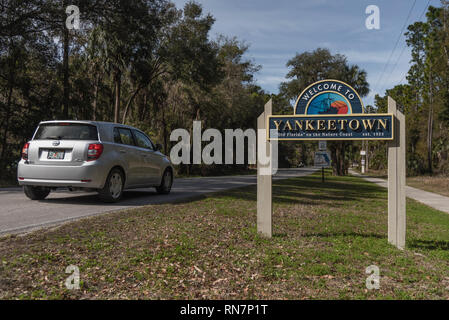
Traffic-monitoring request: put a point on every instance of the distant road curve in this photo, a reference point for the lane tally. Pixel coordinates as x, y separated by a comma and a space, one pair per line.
19, 214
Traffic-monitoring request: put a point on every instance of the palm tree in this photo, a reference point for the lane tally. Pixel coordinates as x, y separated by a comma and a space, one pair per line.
112, 55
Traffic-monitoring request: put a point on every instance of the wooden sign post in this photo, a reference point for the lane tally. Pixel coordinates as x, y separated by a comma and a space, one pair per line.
325, 123
396, 179
264, 181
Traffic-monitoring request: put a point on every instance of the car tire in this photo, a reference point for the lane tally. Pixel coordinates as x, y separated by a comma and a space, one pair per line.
35, 192
113, 187
166, 182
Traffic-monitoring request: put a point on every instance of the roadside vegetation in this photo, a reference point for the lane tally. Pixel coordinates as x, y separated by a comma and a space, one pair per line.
8, 183
146, 63
437, 183
151, 64
325, 236
424, 99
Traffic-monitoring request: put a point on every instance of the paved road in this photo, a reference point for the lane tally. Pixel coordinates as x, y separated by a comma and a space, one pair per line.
431, 199
19, 214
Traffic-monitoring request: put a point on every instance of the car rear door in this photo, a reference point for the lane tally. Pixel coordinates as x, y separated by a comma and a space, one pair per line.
151, 168
127, 148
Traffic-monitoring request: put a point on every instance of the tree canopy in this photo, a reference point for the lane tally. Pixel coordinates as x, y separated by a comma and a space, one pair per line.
309, 67
140, 62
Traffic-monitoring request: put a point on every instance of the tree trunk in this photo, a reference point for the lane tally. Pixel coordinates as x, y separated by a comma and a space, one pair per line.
342, 160
338, 159
128, 104
144, 106
117, 80
429, 139
65, 66
164, 130
94, 106
367, 156
430, 128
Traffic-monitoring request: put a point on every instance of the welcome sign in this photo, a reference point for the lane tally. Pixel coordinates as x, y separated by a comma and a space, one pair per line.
330, 110
329, 97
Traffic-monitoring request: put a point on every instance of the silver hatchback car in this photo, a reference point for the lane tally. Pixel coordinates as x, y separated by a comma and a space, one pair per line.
91, 155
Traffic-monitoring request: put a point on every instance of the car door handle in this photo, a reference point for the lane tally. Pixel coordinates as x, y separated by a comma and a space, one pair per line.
122, 151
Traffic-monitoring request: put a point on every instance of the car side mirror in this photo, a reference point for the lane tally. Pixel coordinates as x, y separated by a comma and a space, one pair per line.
158, 147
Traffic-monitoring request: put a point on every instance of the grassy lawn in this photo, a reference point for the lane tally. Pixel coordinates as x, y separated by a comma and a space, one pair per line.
383, 174
325, 236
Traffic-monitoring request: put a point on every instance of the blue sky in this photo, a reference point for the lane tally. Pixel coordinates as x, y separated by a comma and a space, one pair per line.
278, 29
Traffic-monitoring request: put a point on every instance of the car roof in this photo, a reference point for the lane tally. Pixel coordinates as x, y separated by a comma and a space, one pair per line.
98, 123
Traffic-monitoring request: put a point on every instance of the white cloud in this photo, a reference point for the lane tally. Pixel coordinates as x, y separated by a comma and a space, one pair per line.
367, 56
270, 80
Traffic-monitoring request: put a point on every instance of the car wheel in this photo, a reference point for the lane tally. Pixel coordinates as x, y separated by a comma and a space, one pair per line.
36, 193
166, 183
113, 187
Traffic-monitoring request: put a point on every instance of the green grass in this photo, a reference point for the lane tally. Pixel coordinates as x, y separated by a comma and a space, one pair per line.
325, 235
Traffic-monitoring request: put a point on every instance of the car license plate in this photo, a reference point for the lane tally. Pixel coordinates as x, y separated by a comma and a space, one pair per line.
55, 154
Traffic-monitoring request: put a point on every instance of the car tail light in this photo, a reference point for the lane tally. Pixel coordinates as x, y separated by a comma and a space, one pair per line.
94, 151
25, 151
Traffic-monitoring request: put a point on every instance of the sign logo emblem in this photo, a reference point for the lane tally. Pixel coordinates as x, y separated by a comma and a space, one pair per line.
56, 143
329, 97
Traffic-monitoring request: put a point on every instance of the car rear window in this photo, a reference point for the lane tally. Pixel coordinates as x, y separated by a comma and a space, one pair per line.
66, 131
